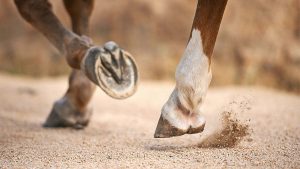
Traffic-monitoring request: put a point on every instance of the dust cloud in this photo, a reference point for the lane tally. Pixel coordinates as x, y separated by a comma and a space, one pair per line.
230, 130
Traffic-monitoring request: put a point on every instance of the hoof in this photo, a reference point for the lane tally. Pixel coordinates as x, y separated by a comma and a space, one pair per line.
63, 114
165, 129
111, 68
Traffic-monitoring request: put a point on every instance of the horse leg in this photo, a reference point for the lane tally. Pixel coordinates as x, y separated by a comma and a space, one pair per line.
109, 67
73, 108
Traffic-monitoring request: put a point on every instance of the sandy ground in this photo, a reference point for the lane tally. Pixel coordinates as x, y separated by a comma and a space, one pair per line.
120, 134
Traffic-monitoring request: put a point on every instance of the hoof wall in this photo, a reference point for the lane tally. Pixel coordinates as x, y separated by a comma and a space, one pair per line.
64, 115
165, 130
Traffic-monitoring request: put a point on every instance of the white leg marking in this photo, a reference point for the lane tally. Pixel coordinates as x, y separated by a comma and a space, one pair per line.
193, 76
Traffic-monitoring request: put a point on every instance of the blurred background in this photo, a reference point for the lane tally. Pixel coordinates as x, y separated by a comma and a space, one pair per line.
258, 42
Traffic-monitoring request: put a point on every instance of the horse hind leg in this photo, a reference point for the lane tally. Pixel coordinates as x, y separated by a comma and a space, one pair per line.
73, 108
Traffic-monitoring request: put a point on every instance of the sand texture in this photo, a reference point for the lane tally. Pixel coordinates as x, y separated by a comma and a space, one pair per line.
247, 127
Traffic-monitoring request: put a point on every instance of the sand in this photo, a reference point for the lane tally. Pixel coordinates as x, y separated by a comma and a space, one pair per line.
247, 127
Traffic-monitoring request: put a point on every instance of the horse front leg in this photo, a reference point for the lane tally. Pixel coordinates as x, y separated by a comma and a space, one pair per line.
181, 114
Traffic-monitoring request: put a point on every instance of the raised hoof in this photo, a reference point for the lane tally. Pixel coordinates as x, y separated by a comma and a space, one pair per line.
164, 129
65, 115
111, 68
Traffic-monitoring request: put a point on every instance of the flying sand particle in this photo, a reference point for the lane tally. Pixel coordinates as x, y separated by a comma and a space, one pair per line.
231, 131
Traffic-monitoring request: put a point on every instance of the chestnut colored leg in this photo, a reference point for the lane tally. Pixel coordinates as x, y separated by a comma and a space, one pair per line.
72, 110
39, 14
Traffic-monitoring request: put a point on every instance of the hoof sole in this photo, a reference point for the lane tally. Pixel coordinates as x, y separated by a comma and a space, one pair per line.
112, 69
